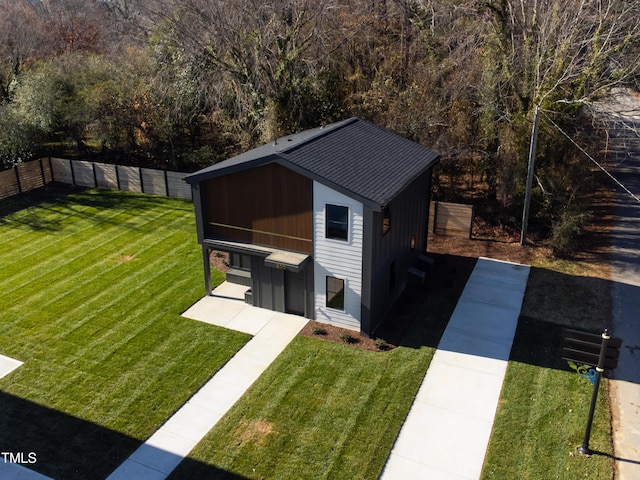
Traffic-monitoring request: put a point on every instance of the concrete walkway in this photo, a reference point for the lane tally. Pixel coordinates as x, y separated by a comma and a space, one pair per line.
8, 365
12, 471
446, 433
165, 449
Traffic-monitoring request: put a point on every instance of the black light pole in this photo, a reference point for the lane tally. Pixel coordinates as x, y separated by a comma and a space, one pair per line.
584, 448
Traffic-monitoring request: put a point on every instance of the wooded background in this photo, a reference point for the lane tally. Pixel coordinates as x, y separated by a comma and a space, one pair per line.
182, 84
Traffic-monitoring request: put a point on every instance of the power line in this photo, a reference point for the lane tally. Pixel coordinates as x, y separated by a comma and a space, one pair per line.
591, 158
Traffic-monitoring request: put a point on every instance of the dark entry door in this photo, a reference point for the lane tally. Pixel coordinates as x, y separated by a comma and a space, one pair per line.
294, 286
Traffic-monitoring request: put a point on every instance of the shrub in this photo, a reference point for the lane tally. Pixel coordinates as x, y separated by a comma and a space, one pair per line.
319, 331
348, 338
565, 233
381, 344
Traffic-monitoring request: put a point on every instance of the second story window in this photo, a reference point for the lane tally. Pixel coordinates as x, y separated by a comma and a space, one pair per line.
337, 222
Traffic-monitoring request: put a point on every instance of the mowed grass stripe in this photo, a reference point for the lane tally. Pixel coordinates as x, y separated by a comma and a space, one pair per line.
96, 219
321, 410
47, 291
63, 317
70, 227
140, 311
23, 225
106, 345
53, 260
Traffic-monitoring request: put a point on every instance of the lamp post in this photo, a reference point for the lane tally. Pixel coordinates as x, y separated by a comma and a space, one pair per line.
584, 448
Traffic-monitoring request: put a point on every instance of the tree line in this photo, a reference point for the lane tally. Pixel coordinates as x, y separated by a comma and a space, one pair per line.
184, 83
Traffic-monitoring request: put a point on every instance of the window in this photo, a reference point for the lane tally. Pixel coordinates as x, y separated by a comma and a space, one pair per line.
337, 222
335, 293
386, 220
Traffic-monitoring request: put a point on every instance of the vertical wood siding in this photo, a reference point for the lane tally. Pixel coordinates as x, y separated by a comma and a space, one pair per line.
268, 205
338, 259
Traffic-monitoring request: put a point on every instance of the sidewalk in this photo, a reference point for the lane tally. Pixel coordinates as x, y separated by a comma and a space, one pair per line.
623, 113
165, 449
446, 433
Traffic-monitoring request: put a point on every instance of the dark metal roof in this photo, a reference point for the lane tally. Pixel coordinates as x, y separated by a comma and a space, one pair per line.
354, 157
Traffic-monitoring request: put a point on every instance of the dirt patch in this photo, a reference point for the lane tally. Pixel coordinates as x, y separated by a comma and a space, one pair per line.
253, 431
219, 260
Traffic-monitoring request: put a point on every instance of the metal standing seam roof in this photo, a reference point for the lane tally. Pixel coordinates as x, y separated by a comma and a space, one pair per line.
353, 156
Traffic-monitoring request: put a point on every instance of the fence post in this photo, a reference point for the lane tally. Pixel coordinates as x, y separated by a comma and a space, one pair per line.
15, 169
73, 175
95, 177
141, 182
44, 180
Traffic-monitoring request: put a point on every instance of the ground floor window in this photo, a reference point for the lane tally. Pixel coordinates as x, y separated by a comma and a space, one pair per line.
335, 293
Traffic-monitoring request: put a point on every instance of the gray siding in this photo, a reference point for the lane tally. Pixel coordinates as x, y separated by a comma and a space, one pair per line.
267, 286
409, 214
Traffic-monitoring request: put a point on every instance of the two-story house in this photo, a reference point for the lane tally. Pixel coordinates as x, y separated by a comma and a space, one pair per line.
324, 223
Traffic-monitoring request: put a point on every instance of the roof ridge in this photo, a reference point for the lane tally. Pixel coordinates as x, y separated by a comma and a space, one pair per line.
321, 132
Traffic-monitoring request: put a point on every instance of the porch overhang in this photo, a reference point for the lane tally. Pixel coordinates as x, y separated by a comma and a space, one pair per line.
284, 260
273, 258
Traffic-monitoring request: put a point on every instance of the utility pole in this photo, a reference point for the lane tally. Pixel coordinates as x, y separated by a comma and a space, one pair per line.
532, 160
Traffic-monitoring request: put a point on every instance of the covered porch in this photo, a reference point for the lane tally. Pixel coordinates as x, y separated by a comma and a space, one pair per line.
274, 279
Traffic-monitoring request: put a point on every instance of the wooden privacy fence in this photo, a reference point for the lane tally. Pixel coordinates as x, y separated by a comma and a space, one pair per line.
453, 219
82, 173
25, 177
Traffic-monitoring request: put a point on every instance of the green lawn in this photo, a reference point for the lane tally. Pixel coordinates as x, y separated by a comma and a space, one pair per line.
326, 410
543, 412
93, 285
544, 404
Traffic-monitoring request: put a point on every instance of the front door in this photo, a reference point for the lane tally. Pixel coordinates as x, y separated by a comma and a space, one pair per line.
294, 288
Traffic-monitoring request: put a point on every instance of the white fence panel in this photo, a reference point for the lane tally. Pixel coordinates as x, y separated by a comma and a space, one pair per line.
83, 173
153, 182
177, 187
129, 178
106, 176
61, 169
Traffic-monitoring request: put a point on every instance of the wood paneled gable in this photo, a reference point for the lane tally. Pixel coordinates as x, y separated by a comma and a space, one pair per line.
269, 205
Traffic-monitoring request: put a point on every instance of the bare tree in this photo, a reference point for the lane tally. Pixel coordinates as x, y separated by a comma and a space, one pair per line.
558, 55
260, 57
19, 40
74, 25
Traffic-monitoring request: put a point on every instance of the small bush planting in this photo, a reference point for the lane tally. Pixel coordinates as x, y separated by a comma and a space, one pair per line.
348, 338
381, 344
318, 331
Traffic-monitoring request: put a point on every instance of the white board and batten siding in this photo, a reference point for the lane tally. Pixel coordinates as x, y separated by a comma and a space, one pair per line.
337, 258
